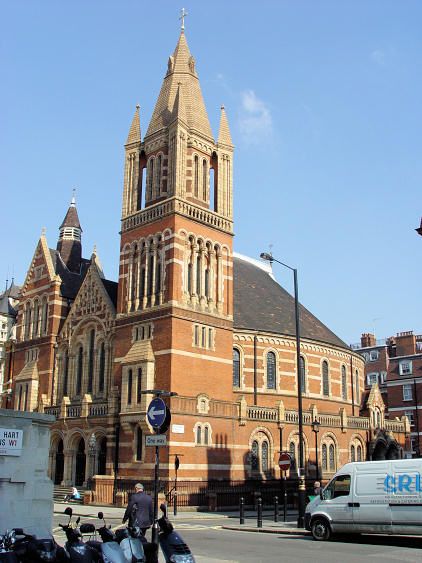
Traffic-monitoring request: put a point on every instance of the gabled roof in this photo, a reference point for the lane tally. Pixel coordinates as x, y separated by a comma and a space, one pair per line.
181, 69
71, 281
261, 304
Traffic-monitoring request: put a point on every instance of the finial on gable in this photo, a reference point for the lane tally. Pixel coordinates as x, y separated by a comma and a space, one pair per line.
73, 200
183, 14
43, 232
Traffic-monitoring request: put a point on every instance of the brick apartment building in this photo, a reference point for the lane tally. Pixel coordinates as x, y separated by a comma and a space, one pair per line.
395, 365
187, 315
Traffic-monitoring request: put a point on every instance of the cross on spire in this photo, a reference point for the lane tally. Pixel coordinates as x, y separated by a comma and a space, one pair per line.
183, 14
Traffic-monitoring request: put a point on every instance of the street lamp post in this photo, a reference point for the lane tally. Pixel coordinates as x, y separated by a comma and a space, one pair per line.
301, 469
315, 429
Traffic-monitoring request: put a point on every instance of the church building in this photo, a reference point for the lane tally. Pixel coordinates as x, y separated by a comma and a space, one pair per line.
188, 316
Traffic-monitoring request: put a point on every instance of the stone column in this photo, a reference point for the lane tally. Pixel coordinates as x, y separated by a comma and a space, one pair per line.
68, 470
219, 281
153, 262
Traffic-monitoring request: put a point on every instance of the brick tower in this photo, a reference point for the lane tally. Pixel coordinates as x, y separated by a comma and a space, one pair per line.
175, 296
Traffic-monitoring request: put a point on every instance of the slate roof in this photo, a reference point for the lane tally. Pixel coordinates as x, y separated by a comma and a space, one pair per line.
111, 288
71, 218
71, 281
261, 304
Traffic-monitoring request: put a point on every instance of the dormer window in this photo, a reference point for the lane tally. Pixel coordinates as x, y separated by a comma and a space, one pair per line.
405, 367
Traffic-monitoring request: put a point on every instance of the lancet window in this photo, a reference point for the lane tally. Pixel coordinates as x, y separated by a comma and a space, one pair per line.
204, 273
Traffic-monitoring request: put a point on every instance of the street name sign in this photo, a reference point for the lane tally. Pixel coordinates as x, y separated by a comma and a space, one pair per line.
284, 461
11, 441
156, 413
156, 440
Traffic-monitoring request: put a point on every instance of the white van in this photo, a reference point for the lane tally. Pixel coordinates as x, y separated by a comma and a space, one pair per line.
369, 497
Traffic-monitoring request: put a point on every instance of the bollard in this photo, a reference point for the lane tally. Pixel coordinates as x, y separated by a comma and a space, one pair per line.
275, 509
175, 503
242, 510
259, 520
284, 500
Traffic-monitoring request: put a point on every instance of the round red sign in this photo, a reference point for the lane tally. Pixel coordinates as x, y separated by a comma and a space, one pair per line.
284, 461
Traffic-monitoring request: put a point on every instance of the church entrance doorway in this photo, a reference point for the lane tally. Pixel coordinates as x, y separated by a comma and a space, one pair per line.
80, 464
59, 469
102, 455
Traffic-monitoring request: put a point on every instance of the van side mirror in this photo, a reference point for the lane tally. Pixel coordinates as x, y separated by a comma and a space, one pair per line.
100, 515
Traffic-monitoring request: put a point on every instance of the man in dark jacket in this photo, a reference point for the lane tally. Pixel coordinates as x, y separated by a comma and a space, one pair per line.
140, 506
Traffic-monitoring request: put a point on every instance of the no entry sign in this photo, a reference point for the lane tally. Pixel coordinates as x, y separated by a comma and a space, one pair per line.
284, 461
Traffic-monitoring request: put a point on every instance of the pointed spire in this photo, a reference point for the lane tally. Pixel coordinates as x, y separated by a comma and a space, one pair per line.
71, 218
179, 108
69, 243
135, 129
181, 68
224, 137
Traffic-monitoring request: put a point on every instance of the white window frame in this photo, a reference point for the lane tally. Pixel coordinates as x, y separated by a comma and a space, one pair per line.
411, 416
372, 376
407, 392
405, 367
374, 355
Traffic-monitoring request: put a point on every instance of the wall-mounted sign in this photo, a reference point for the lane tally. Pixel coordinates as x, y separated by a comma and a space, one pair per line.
178, 428
11, 441
156, 440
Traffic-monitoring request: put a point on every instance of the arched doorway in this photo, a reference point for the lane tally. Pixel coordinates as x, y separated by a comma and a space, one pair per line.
379, 451
102, 454
80, 464
59, 468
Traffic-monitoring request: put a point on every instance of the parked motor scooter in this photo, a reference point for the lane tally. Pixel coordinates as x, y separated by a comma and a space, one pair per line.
174, 549
75, 550
7, 542
108, 549
35, 547
131, 541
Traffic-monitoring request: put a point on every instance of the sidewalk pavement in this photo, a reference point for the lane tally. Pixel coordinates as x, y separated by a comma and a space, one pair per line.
229, 519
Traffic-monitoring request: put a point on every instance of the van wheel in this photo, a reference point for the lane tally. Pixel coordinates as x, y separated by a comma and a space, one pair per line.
320, 529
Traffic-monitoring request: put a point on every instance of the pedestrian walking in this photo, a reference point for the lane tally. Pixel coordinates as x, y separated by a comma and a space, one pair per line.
139, 509
317, 488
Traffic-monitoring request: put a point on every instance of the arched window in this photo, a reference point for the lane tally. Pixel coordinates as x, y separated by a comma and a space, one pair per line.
101, 372
199, 435
36, 319
271, 371
79, 371
159, 166
359, 453
150, 276
332, 458
343, 383
204, 180
129, 387
20, 398
357, 387
190, 278
324, 457
352, 453
196, 175
27, 330
206, 435
150, 177
91, 360
139, 386
65, 372
325, 379
255, 456
44, 327
25, 408
302, 374
198, 275
264, 455
139, 444
292, 452
236, 367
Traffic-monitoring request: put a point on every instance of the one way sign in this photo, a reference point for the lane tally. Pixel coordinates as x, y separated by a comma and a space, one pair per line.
157, 411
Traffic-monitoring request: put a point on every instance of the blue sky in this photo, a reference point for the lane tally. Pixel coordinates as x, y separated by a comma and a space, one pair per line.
324, 104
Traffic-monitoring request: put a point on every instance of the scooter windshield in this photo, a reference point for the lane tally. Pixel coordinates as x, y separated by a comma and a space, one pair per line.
112, 553
132, 548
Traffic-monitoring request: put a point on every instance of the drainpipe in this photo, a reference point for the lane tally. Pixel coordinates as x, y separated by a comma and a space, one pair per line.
255, 369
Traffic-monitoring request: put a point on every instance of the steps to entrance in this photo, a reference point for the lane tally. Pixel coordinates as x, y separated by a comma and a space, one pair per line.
60, 492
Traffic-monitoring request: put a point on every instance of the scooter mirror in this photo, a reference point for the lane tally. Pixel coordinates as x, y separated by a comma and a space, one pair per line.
19, 532
163, 508
78, 520
100, 515
68, 511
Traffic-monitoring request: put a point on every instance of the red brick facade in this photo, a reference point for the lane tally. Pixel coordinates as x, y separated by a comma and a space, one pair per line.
170, 324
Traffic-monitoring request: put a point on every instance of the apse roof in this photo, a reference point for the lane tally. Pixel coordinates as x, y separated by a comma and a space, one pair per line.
261, 304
